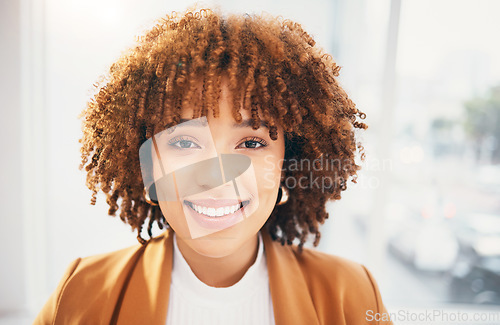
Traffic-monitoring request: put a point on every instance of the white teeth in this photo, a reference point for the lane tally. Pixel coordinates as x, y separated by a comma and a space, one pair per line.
212, 212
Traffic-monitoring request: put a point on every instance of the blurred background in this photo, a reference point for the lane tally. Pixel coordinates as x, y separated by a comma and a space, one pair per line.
424, 215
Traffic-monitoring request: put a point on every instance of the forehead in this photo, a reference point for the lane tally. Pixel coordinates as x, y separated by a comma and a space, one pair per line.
227, 118
225, 106
203, 123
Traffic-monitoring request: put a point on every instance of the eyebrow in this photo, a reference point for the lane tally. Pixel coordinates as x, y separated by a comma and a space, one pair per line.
243, 124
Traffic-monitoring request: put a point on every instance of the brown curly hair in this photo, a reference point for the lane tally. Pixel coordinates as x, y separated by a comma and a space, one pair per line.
272, 65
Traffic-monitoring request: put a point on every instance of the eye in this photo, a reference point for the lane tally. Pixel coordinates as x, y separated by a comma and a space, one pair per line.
182, 142
252, 143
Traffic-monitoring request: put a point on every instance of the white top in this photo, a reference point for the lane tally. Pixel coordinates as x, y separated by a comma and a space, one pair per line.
246, 302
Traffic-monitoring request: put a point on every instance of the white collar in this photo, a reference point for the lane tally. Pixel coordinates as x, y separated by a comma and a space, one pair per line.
184, 279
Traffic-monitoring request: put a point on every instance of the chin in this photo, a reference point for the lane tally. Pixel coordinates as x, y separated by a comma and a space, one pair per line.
215, 247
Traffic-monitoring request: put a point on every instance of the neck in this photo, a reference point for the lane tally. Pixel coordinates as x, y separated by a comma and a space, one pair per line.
221, 271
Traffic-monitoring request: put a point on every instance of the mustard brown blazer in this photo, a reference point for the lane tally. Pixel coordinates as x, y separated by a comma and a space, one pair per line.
131, 286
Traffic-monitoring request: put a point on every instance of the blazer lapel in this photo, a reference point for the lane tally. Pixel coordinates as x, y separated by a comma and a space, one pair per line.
146, 298
292, 303
147, 294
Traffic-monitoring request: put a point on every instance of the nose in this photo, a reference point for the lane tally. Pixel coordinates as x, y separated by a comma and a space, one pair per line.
208, 174
198, 177
219, 170
190, 180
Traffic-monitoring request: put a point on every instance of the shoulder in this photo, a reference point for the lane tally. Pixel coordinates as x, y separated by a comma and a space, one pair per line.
106, 263
327, 268
337, 281
100, 269
94, 282
114, 263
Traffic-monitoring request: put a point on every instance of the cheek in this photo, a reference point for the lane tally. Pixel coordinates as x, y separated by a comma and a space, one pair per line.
173, 212
268, 175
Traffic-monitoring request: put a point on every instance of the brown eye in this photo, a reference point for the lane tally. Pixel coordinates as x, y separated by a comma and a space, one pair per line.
253, 143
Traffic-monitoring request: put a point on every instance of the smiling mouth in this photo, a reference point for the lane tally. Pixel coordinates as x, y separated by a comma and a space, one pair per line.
215, 212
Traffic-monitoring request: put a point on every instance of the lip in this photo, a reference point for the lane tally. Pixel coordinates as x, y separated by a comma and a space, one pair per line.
217, 223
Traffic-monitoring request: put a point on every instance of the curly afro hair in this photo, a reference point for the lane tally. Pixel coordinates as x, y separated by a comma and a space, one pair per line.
273, 66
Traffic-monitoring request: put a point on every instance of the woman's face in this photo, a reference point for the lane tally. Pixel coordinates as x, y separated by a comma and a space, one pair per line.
217, 181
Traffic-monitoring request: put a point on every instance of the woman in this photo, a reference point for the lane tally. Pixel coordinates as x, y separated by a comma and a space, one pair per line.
218, 128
